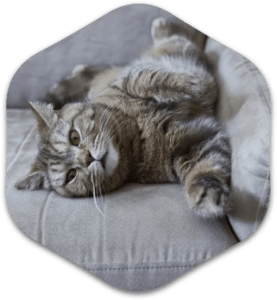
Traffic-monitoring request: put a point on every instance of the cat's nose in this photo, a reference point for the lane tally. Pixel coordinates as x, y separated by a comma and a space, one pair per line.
88, 159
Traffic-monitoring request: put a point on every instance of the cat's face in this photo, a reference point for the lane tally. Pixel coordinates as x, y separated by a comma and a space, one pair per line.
85, 150
82, 150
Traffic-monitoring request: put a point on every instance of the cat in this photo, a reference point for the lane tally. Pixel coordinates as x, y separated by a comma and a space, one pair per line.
150, 122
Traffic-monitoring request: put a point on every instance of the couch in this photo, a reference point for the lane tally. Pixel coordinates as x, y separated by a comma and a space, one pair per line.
151, 236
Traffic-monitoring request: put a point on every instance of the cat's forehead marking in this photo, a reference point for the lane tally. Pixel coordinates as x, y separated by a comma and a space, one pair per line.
85, 121
71, 110
60, 132
87, 127
87, 114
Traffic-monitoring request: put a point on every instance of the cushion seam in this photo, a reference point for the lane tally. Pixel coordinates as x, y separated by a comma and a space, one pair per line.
258, 86
263, 199
140, 268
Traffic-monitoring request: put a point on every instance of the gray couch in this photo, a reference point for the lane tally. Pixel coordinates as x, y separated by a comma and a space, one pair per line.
150, 237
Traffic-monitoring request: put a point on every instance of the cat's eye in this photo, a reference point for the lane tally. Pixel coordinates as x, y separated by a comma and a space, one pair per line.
74, 138
71, 175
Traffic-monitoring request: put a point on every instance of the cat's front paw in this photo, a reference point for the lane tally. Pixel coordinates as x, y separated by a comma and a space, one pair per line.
209, 197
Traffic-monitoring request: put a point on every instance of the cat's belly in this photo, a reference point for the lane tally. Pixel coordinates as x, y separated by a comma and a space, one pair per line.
156, 163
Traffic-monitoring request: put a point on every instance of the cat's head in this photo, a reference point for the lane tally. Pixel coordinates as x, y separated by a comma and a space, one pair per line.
83, 150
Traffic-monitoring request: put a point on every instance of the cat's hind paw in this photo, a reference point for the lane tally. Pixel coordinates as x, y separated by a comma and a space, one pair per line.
160, 28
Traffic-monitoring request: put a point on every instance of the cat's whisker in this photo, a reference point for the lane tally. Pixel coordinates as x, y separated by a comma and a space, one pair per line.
88, 195
100, 191
109, 123
108, 119
108, 109
103, 130
106, 134
104, 113
96, 198
110, 134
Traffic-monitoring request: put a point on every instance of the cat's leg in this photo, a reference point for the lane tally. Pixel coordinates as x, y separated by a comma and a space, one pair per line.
173, 70
203, 165
74, 88
179, 55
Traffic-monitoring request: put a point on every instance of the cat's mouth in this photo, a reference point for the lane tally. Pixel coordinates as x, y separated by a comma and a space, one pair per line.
104, 160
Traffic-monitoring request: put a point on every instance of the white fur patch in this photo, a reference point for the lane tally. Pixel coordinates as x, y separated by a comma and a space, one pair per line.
61, 147
112, 159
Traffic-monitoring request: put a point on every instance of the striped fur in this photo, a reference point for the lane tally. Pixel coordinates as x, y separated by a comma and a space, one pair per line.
150, 122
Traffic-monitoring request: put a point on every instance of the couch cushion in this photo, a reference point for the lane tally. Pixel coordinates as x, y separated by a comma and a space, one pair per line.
147, 238
149, 235
245, 110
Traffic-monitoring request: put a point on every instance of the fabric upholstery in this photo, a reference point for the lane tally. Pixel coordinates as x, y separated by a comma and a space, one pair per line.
245, 110
148, 236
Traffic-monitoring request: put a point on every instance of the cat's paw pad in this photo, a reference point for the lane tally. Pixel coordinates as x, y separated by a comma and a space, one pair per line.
209, 197
159, 28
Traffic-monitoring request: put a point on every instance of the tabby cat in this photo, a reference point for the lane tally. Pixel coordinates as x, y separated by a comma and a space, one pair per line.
150, 122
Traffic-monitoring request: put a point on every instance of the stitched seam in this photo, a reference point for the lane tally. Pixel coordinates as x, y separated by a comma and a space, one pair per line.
140, 268
262, 200
42, 220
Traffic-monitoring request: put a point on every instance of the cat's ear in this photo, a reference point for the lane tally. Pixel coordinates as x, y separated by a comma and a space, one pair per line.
44, 113
37, 178
34, 181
